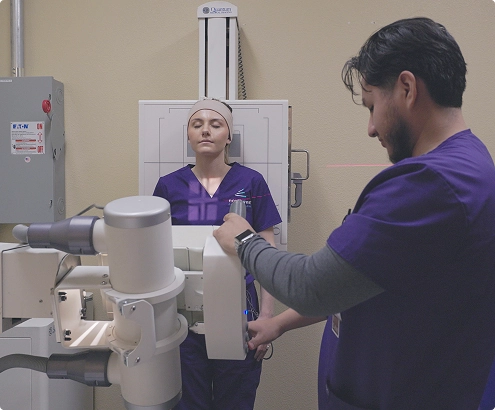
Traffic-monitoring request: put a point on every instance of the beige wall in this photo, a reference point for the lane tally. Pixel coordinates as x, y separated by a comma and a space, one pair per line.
111, 53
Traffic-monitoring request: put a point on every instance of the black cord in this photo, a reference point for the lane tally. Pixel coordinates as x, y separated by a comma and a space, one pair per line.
241, 81
271, 353
89, 208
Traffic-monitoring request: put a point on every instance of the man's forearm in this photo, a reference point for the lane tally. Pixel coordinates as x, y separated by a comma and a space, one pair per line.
316, 285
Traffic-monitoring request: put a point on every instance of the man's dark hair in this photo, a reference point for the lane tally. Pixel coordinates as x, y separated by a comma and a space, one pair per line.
418, 45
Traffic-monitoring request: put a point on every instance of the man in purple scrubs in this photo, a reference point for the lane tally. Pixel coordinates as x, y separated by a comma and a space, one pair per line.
407, 283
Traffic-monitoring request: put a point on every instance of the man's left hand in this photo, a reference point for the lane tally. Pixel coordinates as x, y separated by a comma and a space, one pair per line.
225, 235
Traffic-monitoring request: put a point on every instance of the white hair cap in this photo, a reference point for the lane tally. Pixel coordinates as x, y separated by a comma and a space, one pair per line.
214, 105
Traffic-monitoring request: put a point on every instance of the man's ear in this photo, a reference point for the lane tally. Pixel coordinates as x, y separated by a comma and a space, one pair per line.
407, 84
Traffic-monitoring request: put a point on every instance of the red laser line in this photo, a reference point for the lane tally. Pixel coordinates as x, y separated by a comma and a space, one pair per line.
356, 165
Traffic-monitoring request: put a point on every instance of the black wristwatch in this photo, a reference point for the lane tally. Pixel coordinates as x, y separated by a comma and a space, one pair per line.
242, 238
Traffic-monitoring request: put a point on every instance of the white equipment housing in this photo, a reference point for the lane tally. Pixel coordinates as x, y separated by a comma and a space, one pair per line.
220, 293
218, 50
27, 278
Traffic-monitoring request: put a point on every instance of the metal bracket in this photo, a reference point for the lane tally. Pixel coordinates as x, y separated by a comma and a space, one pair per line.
141, 312
297, 179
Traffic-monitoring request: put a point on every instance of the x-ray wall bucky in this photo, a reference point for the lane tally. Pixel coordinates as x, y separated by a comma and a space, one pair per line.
262, 128
260, 141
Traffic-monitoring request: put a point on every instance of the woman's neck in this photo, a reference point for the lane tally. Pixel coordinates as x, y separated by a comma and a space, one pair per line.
206, 168
210, 173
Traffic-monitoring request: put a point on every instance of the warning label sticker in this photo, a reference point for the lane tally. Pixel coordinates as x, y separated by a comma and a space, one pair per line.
27, 138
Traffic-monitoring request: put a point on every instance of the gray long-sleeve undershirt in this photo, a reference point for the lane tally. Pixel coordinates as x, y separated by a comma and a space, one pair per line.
320, 284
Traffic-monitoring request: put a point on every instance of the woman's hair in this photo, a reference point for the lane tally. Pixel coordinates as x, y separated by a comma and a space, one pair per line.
419, 45
223, 109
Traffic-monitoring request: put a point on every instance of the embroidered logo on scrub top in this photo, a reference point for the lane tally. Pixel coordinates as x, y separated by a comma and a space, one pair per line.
241, 193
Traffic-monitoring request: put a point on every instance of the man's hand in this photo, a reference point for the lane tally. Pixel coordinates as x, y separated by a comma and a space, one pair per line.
233, 225
263, 332
262, 349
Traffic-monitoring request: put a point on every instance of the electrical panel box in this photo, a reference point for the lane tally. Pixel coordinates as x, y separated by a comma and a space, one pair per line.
32, 150
260, 140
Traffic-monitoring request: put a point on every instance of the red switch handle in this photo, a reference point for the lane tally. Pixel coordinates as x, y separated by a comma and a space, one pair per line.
46, 105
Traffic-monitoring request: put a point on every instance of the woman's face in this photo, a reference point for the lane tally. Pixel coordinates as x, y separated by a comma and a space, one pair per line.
208, 133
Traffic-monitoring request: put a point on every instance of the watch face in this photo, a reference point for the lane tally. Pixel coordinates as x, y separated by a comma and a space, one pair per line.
244, 235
